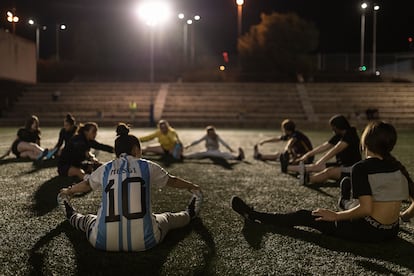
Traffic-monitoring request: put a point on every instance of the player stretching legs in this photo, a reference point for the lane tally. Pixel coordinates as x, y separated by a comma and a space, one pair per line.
125, 221
379, 182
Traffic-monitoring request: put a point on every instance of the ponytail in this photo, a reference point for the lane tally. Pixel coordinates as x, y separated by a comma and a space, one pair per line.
122, 129
125, 142
70, 119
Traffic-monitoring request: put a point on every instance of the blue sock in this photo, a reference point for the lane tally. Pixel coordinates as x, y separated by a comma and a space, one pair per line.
51, 153
40, 156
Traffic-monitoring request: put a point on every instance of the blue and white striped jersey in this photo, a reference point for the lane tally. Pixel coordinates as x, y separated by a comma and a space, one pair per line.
125, 221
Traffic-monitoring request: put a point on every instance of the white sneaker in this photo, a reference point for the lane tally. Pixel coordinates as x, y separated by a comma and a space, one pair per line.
194, 205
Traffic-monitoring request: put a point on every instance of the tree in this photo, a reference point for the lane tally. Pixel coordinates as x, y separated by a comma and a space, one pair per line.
280, 45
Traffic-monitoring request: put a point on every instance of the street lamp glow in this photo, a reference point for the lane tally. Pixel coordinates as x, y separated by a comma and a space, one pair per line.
189, 21
31, 22
364, 5
12, 18
239, 2
63, 27
154, 12
181, 16
376, 7
197, 17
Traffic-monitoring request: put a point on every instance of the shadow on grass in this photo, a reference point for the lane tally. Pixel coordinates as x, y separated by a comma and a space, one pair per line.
164, 160
397, 251
321, 191
44, 199
167, 160
217, 161
14, 160
43, 164
90, 261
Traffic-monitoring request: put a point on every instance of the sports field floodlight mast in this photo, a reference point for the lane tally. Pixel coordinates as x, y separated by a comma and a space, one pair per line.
374, 40
33, 23
188, 22
12, 18
239, 16
59, 27
364, 6
153, 13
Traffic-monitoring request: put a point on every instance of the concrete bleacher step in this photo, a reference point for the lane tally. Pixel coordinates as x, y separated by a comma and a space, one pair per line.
223, 104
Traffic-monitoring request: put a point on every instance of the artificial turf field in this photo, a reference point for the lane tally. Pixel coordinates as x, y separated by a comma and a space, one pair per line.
35, 239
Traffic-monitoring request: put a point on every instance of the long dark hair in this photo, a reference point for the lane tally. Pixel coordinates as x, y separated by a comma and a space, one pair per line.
29, 122
125, 142
380, 138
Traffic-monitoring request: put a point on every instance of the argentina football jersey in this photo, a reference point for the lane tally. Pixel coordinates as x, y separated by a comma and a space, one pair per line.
124, 220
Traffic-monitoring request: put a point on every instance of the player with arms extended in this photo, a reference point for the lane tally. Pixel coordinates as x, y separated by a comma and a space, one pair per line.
125, 221
379, 182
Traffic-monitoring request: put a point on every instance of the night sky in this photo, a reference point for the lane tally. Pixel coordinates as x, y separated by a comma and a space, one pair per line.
338, 21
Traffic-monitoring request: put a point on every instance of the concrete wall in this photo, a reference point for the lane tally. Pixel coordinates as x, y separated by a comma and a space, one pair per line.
17, 58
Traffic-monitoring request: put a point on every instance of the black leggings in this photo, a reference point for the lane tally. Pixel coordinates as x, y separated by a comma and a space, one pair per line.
363, 229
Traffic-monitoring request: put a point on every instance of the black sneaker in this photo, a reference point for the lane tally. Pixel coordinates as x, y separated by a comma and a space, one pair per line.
63, 202
345, 186
256, 154
240, 207
284, 161
240, 157
194, 206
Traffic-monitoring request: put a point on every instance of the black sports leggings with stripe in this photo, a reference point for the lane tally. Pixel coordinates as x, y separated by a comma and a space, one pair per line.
364, 229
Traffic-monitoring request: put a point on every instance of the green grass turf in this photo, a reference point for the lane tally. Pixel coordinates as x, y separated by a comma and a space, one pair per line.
35, 239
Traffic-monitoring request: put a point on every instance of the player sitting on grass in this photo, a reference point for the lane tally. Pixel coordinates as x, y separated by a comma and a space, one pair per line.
344, 145
65, 134
125, 221
297, 144
169, 142
380, 183
212, 143
27, 143
76, 158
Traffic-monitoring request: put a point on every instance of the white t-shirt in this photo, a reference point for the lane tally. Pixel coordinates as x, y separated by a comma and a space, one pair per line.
124, 220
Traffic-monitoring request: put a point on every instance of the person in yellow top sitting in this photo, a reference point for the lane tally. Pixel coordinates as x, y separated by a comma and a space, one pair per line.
169, 142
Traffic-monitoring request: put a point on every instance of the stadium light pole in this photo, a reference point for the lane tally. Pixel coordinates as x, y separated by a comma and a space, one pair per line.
361, 62
239, 24
59, 27
13, 19
239, 16
374, 40
33, 23
186, 24
192, 48
153, 13
181, 16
